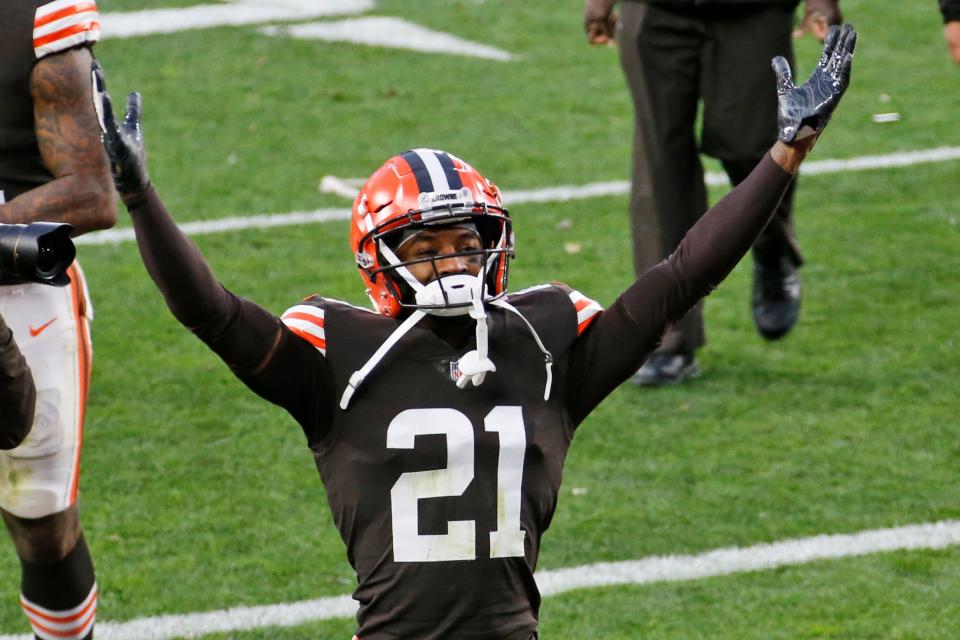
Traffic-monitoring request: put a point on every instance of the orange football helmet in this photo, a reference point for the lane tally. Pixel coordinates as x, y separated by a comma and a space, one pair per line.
422, 188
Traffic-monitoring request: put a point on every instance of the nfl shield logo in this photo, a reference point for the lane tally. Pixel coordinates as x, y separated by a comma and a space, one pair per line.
455, 372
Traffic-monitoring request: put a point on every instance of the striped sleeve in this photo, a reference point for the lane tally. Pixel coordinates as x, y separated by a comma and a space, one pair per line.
307, 322
62, 24
587, 310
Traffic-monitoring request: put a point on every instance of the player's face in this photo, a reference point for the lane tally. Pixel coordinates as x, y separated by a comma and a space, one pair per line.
431, 243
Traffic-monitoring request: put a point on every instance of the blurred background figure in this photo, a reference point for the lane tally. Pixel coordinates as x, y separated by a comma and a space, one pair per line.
53, 168
17, 393
951, 30
675, 54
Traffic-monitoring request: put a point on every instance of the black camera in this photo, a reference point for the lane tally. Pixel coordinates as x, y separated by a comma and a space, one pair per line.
36, 252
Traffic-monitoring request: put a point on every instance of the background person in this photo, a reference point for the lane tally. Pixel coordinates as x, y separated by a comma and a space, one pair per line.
675, 54
52, 168
17, 393
440, 423
951, 29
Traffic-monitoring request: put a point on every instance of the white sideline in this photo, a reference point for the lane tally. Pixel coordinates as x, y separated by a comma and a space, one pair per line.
563, 193
718, 562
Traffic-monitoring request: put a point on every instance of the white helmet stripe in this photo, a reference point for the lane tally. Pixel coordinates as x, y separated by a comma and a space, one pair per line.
437, 175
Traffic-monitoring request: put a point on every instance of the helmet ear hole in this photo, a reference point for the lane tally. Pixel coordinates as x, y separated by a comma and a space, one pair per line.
490, 231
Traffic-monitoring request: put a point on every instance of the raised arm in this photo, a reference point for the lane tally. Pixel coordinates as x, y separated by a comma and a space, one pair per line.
254, 343
174, 262
18, 396
69, 141
626, 333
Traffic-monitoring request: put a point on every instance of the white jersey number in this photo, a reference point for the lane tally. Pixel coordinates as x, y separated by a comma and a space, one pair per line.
459, 543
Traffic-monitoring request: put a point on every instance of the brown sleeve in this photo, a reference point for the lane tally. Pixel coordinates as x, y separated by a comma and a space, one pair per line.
620, 340
709, 251
240, 332
175, 264
18, 396
254, 343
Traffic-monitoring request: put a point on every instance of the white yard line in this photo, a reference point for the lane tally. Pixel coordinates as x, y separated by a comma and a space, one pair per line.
347, 188
220, 225
380, 31
240, 12
718, 562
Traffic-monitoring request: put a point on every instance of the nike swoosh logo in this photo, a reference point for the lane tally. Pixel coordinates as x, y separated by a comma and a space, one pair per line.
35, 332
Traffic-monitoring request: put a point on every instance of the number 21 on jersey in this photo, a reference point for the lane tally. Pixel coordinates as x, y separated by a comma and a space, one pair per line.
459, 543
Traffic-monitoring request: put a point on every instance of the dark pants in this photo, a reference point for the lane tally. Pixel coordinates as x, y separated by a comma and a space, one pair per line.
672, 60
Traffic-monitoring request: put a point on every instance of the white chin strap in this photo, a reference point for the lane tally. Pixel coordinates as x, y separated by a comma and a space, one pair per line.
460, 290
474, 365
464, 291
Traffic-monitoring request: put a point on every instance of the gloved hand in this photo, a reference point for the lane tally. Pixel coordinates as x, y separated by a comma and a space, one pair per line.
123, 143
805, 110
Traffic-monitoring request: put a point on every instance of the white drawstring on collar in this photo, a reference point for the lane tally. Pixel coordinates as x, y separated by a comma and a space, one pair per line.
474, 365
361, 374
547, 356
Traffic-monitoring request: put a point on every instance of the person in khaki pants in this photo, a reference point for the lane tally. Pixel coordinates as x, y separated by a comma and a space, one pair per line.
675, 54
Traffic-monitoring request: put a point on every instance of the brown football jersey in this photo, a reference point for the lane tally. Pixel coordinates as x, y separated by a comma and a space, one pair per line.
440, 494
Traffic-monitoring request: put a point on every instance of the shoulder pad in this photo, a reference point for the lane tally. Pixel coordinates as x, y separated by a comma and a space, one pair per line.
587, 309
345, 304
536, 287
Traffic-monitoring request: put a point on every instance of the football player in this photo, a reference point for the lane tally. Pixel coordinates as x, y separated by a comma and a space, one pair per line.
52, 167
440, 421
17, 393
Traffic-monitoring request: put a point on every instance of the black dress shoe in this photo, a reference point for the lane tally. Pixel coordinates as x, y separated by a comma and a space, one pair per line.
666, 368
776, 298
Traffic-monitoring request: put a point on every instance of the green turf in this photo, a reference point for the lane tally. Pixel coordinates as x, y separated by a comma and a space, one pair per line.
198, 496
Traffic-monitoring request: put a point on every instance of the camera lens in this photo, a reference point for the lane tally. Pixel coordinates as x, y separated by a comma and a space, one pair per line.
47, 258
37, 252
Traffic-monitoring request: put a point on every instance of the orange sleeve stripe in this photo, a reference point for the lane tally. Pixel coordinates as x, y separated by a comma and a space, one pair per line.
319, 343
587, 310
80, 7
586, 323
91, 25
582, 303
299, 315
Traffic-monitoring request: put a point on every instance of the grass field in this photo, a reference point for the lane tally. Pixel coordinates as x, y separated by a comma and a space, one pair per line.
198, 496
